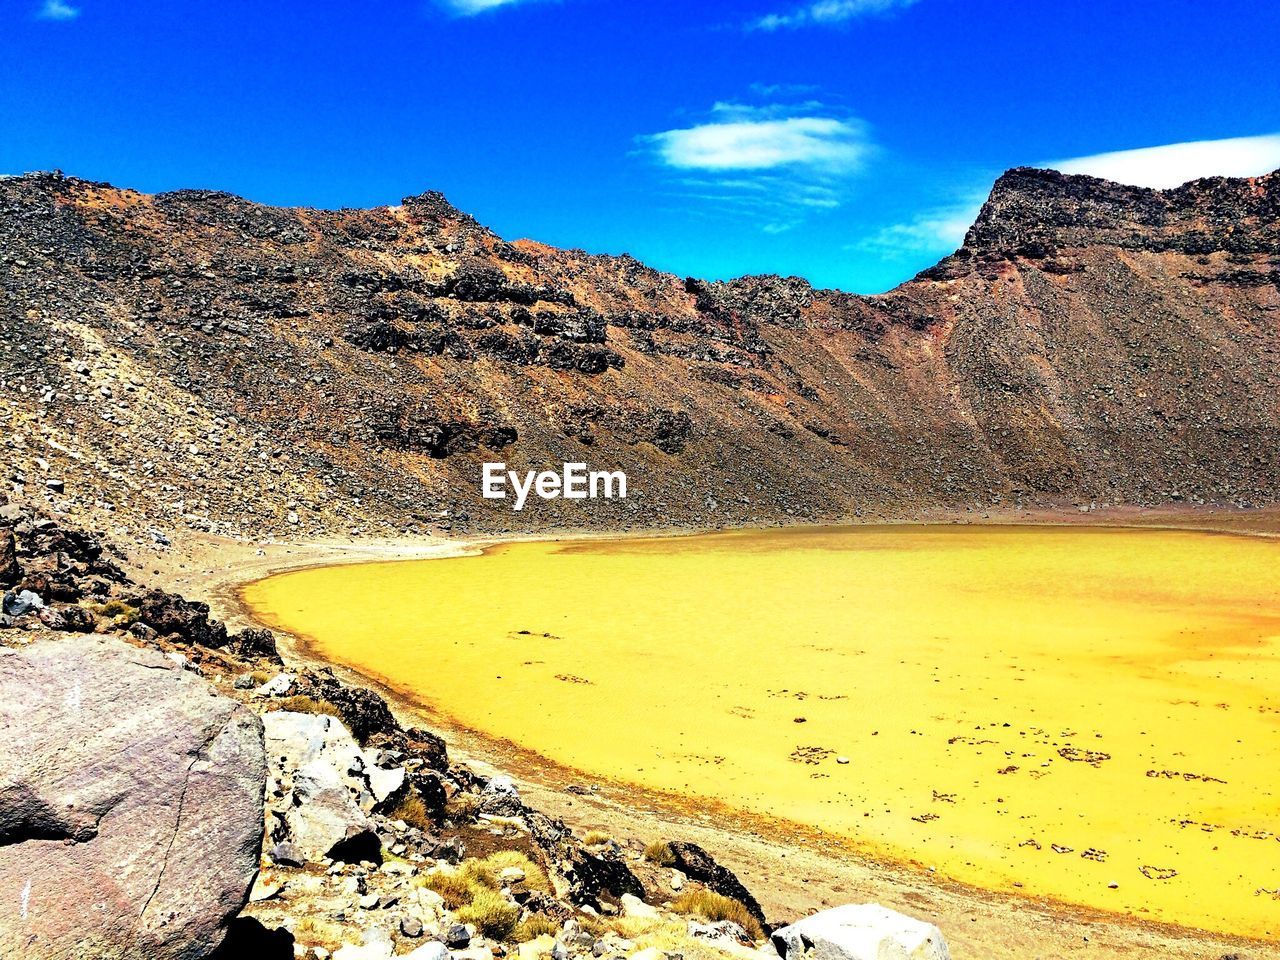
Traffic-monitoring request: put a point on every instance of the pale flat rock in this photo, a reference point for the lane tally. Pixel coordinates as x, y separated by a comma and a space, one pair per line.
435, 950
633, 906
864, 931
130, 804
278, 686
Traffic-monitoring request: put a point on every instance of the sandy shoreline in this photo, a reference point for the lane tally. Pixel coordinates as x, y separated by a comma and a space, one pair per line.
791, 868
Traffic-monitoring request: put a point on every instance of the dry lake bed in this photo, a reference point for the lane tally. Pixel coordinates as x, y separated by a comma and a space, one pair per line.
1086, 714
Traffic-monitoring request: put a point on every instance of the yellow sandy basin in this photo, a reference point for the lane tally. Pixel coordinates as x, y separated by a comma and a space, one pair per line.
1057, 708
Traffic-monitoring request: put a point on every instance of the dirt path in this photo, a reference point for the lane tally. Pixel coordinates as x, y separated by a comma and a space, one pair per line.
793, 870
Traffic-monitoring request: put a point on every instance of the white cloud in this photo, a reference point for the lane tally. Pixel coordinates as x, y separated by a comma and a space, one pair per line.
468, 8
1176, 163
774, 164
58, 10
826, 13
767, 144
939, 230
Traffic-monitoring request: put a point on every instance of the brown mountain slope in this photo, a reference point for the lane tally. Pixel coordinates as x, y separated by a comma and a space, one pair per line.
196, 359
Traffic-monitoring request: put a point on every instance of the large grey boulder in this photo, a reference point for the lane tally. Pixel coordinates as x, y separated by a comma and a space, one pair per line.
865, 931
130, 804
323, 786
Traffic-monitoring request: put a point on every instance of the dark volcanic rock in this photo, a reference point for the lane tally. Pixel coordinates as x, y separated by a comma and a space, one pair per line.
255, 642
10, 572
592, 877
695, 863
364, 712
188, 620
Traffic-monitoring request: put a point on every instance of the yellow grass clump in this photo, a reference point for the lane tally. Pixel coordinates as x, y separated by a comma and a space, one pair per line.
303, 704
712, 906
659, 852
533, 927
473, 893
491, 912
412, 810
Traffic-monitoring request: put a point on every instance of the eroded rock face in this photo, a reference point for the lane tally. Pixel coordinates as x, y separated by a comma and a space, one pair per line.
865, 931
9, 571
130, 804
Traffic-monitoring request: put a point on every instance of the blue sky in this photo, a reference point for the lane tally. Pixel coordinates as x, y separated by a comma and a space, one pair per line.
846, 141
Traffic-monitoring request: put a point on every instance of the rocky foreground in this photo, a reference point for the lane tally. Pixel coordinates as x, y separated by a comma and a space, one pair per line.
171, 790
193, 360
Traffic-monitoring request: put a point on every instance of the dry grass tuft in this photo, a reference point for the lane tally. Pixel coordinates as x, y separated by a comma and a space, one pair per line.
412, 811
487, 872
454, 888
535, 926
303, 704
594, 838
659, 852
120, 614
314, 930
714, 907
473, 893
491, 912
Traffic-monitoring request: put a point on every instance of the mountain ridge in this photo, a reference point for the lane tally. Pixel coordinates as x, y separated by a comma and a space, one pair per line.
349, 370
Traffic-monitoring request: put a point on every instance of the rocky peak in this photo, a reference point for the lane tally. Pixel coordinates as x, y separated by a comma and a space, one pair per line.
1034, 212
433, 206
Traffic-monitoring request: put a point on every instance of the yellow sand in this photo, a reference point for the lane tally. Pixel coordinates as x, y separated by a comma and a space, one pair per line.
1060, 709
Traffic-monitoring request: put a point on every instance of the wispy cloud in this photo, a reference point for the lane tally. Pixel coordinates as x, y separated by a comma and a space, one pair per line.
58, 10
742, 137
776, 163
763, 145
469, 8
1174, 164
826, 13
936, 230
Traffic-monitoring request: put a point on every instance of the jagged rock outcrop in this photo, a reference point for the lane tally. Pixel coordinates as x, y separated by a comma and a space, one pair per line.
241, 369
696, 864
129, 833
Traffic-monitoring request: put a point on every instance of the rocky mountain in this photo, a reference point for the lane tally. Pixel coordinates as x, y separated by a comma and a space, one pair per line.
193, 359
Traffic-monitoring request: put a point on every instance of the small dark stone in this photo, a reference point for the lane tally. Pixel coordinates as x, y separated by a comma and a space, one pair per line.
286, 855
411, 927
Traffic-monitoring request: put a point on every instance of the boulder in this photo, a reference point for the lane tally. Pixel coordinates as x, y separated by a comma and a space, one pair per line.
278, 686
324, 786
501, 798
188, 620
69, 617
255, 642
19, 602
865, 931
124, 832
